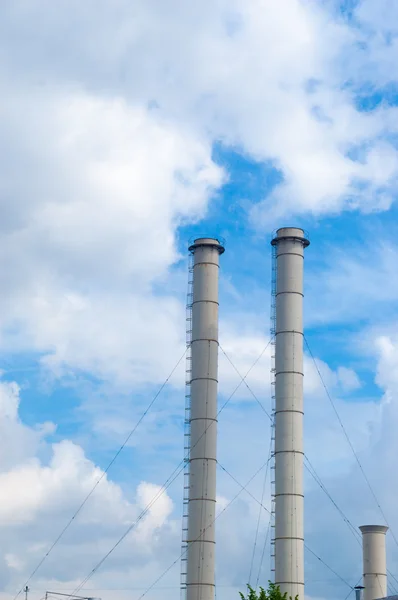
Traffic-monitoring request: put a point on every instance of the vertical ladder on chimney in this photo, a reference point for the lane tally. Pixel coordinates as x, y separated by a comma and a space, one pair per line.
187, 429
273, 343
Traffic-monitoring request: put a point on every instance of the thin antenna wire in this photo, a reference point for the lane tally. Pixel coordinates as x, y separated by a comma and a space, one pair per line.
69, 523
349, 441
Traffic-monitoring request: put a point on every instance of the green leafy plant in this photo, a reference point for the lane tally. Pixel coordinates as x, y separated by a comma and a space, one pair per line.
272, 593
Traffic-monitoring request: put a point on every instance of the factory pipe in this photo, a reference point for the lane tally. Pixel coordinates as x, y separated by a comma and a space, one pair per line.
374, 561
358, 592
200, 579
289, 498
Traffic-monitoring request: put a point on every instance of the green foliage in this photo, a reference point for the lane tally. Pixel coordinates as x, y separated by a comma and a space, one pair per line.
272, 593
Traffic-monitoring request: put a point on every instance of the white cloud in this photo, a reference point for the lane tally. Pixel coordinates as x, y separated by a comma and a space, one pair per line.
37, 498
80, 269
361, 275
108, 119
269, 79
113, 164
348, 379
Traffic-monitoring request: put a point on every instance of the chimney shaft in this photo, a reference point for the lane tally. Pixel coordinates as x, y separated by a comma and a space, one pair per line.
289, 498
200, 580
374, 561
359, 592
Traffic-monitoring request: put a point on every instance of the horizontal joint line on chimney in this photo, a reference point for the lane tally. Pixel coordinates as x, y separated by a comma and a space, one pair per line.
204, 340
204, 378
199, 541
290, 537
289, 254
285, 451
206, 263
289, 331
202, 498
290, 410
290, 292
290, 582
207, 301
287, 372
301, 495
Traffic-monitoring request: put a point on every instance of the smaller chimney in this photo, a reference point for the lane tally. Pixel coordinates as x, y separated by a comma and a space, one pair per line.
374, 561
359, 592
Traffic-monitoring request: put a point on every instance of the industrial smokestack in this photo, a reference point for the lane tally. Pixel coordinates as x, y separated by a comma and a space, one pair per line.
289, 499
200, 580
358, 592
374, 561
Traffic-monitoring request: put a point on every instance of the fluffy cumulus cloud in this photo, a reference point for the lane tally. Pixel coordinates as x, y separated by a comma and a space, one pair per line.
42, 485
89, 214
269, 79
107, 137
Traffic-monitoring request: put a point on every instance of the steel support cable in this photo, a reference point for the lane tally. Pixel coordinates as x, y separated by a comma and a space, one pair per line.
393, 576
167, 482
214, 520
255, 397
350, 592
349, 442
84, 502
269, 512
263, 552
380, 586
244, 378
259, 513
160, 492
270, 418
392, 587
351, 527
310, 468
313, 474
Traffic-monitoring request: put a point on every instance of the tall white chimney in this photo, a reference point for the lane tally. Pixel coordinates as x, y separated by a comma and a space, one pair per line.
289, 498
374, 561
200, 580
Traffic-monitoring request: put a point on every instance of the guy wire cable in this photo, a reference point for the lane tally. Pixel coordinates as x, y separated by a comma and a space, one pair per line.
166, 484
259, 513
243, 379
69, 523
269, 512
215, 519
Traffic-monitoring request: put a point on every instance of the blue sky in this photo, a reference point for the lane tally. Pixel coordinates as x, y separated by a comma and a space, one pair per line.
125, 131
